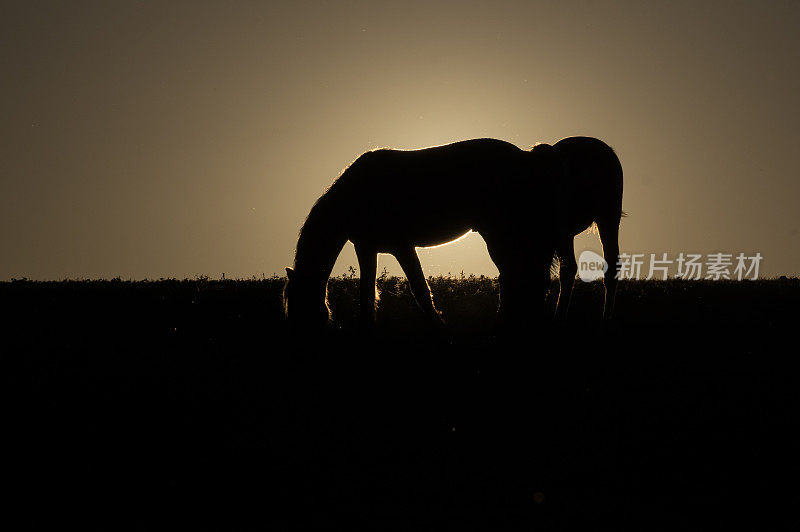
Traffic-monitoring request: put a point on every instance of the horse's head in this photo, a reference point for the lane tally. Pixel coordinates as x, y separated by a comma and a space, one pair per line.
305, 301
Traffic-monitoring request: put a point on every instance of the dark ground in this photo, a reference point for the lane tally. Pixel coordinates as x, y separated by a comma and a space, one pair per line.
187, 405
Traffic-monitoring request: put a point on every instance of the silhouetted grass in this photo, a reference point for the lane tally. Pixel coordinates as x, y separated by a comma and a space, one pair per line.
192, 397
645, 301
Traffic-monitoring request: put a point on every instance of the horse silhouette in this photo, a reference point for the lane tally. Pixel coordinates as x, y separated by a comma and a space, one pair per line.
527, 206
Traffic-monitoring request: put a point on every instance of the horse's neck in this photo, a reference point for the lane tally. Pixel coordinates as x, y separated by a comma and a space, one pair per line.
319, 245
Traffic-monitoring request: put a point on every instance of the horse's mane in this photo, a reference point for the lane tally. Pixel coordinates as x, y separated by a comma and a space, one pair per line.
320, 239
313, 224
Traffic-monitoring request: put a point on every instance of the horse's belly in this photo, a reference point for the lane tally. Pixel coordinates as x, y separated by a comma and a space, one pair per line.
437, 238
416, 216
388, 234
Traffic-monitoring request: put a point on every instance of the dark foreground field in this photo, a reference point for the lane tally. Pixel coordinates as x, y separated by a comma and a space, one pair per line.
188, 405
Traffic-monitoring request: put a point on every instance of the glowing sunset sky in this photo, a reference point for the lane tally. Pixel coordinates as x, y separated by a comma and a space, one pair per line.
165, 139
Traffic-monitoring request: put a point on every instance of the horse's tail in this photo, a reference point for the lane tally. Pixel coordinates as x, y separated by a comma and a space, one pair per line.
555, 266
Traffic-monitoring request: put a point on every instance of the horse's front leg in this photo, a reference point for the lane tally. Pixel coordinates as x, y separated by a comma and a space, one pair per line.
567, 269
368, 263
409, 261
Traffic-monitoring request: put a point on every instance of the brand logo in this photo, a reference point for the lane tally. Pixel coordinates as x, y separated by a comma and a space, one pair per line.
591, 266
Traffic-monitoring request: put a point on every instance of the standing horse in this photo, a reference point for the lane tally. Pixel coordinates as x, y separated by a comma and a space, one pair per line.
527, 206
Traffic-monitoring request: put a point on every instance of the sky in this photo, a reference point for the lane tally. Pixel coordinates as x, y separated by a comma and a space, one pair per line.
178, 139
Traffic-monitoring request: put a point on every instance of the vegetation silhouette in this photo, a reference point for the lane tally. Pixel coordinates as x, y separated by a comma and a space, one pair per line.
191, 402
527, 206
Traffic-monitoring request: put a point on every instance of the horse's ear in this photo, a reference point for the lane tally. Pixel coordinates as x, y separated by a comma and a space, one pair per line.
289, 273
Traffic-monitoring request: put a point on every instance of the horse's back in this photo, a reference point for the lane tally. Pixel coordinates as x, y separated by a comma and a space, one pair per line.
475, 158
427, 196
469, 147
452, 172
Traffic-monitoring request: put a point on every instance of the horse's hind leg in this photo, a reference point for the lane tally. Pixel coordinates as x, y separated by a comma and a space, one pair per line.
567, 269
409, 261
609, 236
368, 262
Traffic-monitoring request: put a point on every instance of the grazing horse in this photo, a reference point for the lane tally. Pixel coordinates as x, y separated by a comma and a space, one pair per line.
527, 206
